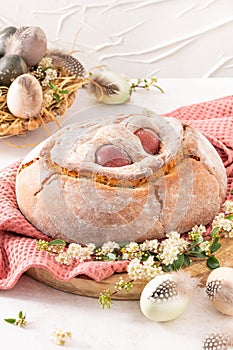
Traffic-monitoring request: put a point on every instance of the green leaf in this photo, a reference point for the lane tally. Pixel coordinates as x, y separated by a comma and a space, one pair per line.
195, 250
123, 244
57, 242
49, 67
229, 217
64, 92
167, 268
20, 315
215, 247
159, 88
186, 260
51, 86
179, 262
212, 263
111, 256
57, 97
146, 255
10, 320
201, 255
215, 231
231, 191
200, 239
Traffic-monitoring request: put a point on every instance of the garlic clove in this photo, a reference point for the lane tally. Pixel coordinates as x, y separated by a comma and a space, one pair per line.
24, 97
166, 296
219, 289
109, 87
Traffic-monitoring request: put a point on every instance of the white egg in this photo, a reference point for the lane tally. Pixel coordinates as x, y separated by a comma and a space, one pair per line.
219, 289
161, 300
109, 87
24, 97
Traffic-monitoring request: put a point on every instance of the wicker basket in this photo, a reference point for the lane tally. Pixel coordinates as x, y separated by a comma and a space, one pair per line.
11, 125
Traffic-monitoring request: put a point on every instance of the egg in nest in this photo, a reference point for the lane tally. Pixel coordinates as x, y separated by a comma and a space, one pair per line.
25, 98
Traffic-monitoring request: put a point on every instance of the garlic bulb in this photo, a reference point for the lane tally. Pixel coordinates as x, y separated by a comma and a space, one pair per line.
167, 296
109, 87
219, 289
24, 97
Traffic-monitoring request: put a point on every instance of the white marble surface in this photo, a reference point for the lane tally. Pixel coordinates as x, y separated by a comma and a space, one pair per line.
123, 326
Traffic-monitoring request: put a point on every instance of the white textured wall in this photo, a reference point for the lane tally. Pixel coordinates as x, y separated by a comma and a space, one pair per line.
163, 38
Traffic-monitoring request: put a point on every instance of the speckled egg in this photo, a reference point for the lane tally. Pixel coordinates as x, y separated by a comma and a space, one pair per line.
29, 43
161, 300
11, 66
24, 97
4, 35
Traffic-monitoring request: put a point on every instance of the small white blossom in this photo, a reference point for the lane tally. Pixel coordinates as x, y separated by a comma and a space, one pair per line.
224, 224
134, 269
132, 247
205, 246
151, 246
172, 247
45, 62
80, 253
109, 247
59, 336
125, 256
48, 98
197, 232
63, 258
149, 262
120, 284
143, 271
228, 207
199, 229
50, 75
91, 247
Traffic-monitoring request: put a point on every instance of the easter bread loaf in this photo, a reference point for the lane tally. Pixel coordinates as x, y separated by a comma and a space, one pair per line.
121, 178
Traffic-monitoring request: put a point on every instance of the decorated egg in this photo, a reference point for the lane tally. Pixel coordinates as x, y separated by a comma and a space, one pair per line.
217, 341
166, 296
11, 66
4, 34
24, 97
28, 42
219, 289
109, 87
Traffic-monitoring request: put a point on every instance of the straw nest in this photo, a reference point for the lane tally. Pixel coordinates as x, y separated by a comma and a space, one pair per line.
11, 125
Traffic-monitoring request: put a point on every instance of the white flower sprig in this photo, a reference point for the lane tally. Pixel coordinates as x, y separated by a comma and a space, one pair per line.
60, 336
20, 321
152, 257
47, 75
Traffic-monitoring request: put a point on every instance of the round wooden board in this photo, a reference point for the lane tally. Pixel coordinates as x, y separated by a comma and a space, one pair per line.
88, 287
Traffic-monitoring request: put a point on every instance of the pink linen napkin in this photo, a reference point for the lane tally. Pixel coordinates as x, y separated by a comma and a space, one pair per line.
18, 237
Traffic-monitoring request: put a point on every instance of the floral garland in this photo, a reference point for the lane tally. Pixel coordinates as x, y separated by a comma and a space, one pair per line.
152, 257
